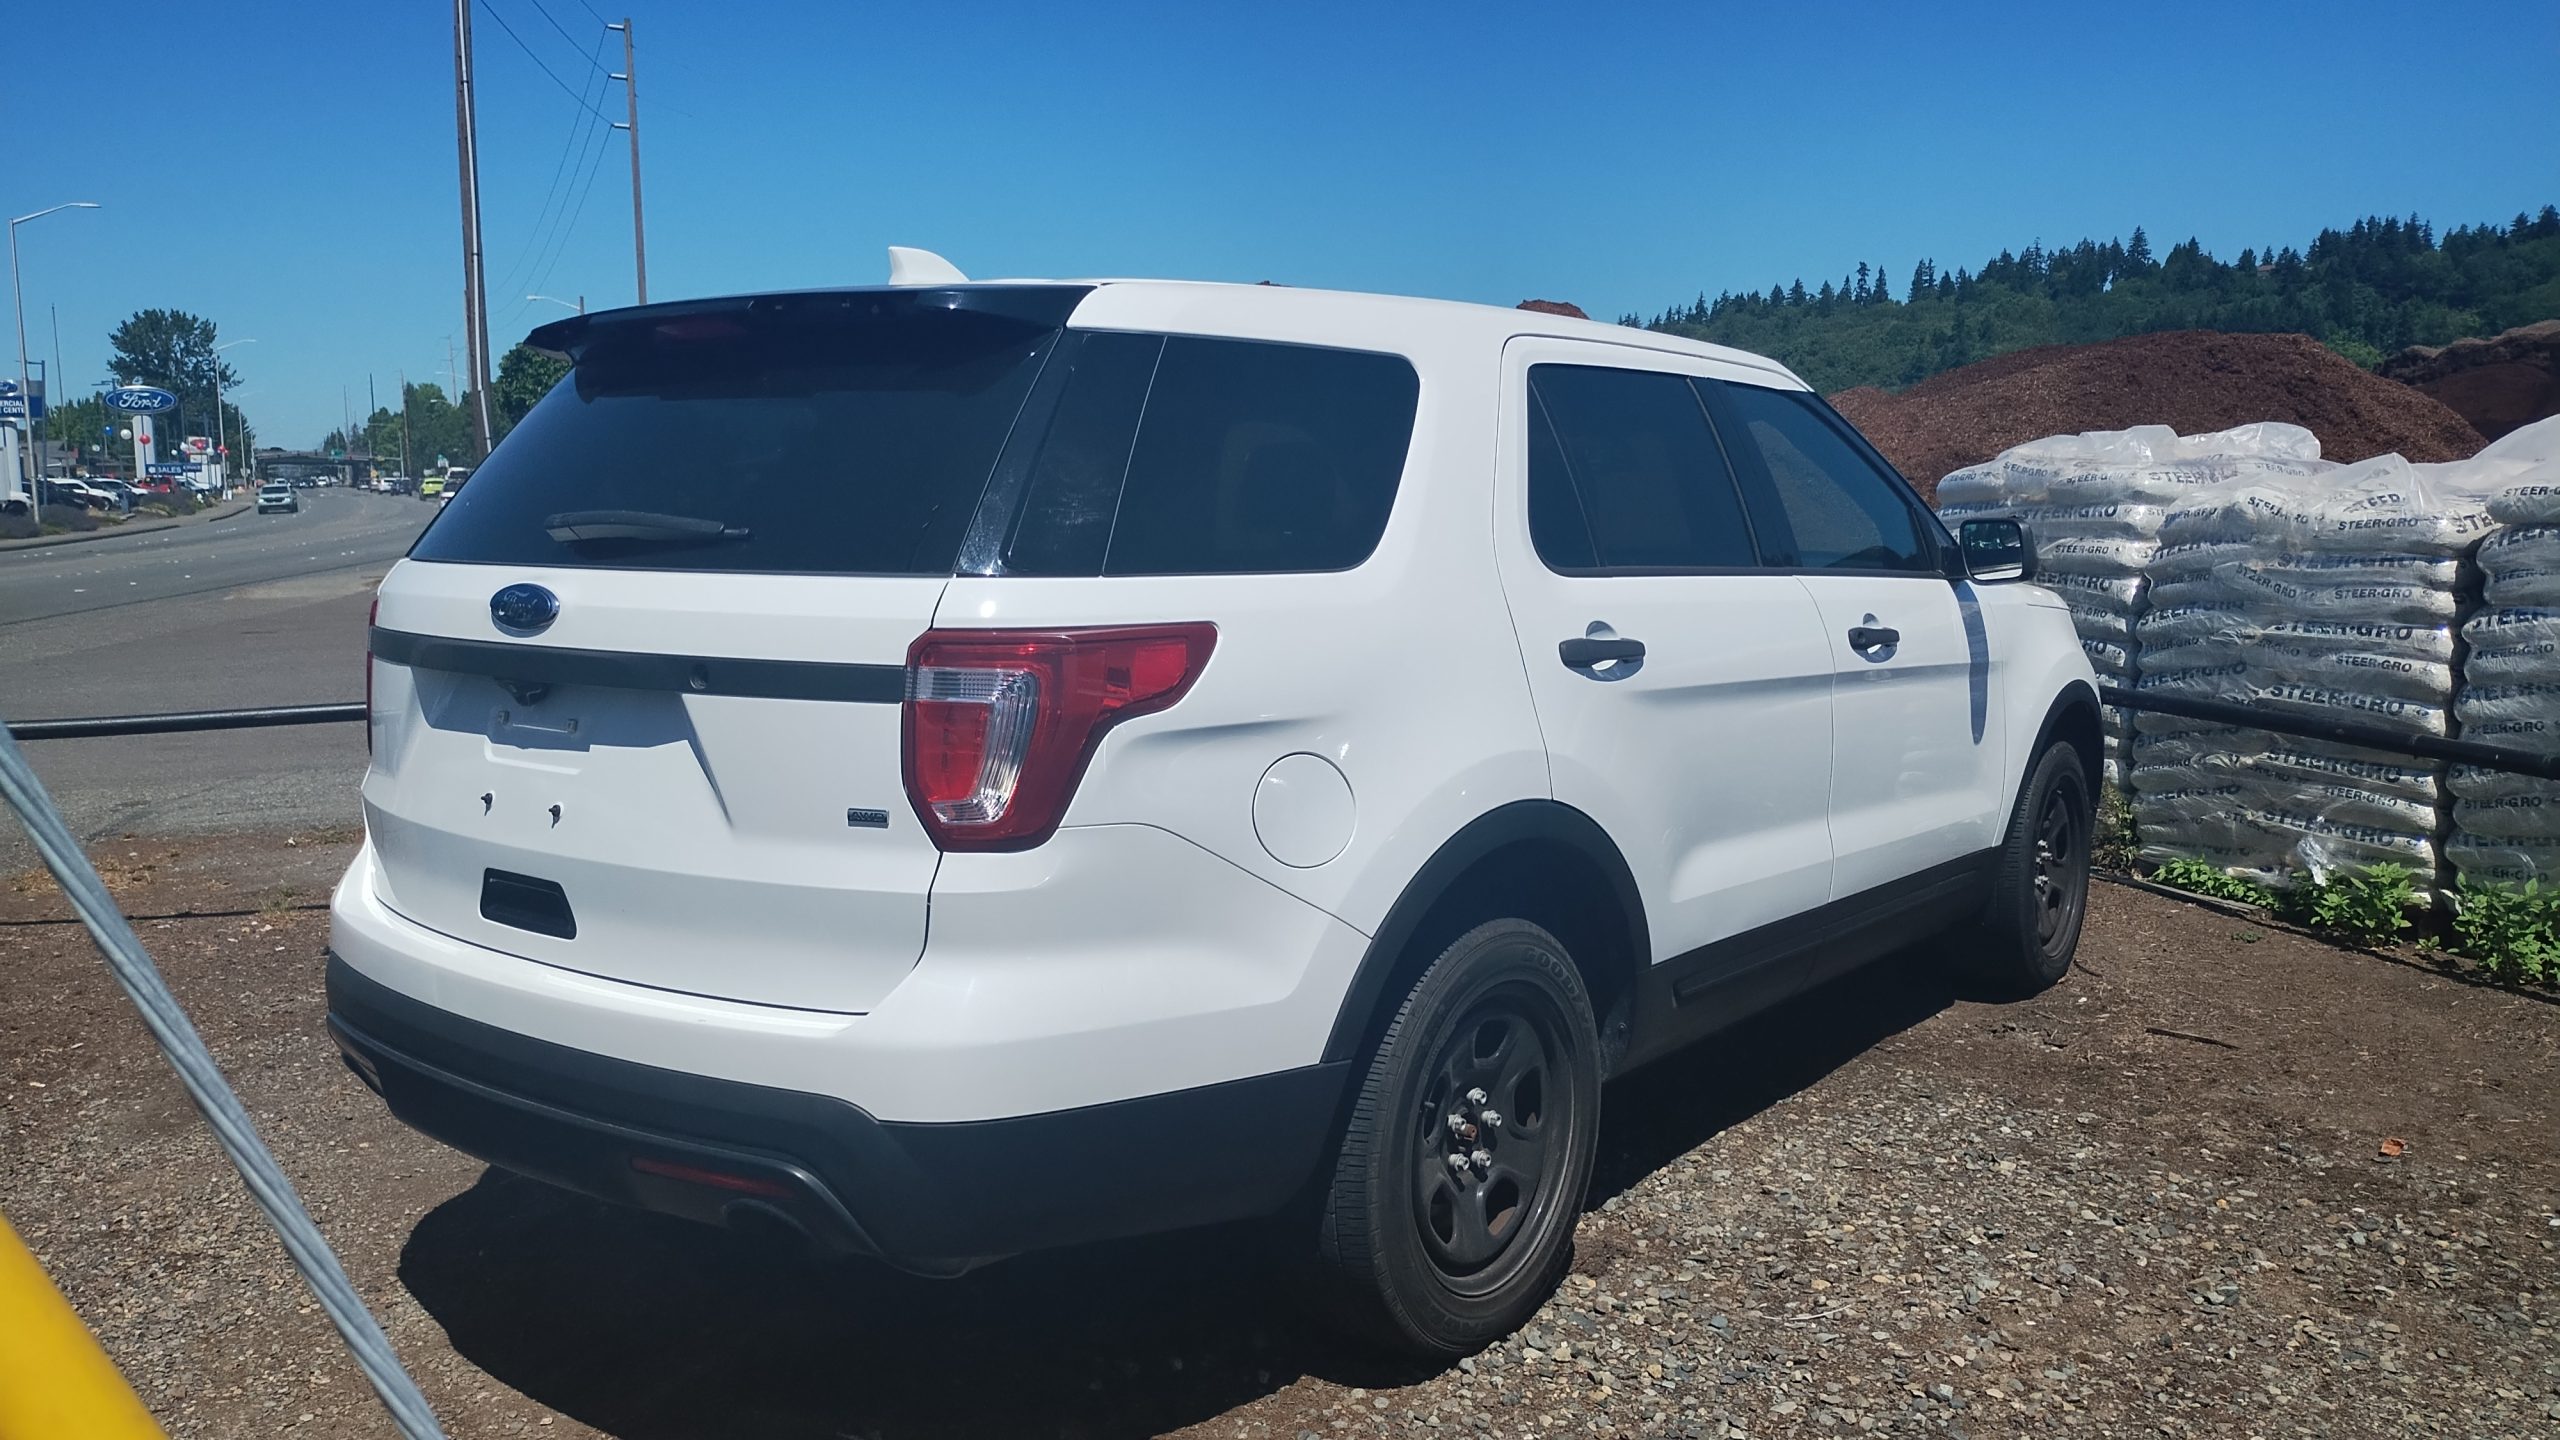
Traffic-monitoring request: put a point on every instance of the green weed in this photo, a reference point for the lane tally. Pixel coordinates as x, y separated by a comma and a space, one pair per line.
2116, 843
2367, 907
2513, 932
2200, 877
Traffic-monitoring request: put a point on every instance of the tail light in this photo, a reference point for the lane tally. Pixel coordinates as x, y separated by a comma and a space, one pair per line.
1000, 724
372, 612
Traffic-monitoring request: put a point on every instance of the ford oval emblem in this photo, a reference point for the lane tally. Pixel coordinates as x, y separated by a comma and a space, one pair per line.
524, 609
141, 400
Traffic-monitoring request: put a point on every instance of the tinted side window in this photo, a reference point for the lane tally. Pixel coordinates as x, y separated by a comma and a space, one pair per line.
1816, 498
1065, 522
1255, 457
1556, 524
1634, 449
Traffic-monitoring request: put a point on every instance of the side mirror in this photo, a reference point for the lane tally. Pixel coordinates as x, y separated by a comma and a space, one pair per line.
1997, 551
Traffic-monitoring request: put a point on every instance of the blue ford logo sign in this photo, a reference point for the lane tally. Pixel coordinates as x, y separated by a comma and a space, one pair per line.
524, 609
141, 400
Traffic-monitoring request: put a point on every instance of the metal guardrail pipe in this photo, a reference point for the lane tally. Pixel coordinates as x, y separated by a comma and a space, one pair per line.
182, 722
2344, 732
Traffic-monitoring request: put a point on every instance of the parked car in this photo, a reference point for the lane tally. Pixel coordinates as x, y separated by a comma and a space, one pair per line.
1332, 735
68, 492
279, 497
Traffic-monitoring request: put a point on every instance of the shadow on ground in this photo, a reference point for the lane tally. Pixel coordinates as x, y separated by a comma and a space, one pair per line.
651, 1329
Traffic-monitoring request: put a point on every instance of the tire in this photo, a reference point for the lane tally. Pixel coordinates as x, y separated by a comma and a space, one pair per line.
2024, 939
1493, 1058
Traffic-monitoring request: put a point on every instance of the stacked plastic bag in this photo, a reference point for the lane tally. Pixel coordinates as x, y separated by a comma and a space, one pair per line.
2330, 593
2095, 504
2506, 828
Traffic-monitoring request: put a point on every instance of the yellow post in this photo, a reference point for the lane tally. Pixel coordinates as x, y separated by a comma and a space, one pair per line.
54, 1380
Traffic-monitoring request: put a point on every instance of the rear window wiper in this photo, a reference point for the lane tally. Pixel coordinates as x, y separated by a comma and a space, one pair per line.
574, 525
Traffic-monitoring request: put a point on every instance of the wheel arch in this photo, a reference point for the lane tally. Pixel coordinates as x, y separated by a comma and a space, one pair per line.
2072, 716
1538, 860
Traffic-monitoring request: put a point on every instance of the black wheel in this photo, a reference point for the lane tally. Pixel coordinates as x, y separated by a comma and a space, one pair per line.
2031, 924
1463, 1166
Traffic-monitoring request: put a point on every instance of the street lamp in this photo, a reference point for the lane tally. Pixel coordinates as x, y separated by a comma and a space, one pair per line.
222, 452
26, 397
580, 306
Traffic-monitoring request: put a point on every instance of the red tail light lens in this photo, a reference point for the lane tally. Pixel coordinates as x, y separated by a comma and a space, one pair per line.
372, 613
1000, 724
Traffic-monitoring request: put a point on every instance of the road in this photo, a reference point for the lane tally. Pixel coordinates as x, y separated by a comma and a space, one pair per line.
254, 610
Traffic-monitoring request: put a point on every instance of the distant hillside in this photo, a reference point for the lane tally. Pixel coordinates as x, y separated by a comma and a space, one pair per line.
2366, 292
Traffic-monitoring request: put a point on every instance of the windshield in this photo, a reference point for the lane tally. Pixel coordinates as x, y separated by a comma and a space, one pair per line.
836, 446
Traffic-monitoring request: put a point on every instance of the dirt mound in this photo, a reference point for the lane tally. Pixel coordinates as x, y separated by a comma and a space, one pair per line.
2191, 380
1554, 307
2501, 383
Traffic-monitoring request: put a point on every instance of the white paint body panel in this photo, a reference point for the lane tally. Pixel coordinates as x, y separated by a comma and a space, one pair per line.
702, 839
1709, 763
1917, 751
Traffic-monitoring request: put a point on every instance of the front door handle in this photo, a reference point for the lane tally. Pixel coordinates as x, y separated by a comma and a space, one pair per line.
1873, 637
1582, 652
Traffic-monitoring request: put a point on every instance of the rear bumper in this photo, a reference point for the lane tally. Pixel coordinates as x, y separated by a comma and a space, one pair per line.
925, 1196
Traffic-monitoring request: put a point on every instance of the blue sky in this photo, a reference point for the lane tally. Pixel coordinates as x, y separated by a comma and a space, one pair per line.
1619, 156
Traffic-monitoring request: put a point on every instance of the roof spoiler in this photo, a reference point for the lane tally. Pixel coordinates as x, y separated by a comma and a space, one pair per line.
1042, 304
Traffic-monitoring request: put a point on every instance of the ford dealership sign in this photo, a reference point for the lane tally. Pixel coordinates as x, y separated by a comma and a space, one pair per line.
141, 400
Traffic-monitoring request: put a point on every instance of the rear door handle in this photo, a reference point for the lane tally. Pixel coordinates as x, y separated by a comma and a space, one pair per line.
1585, 651
1873, 637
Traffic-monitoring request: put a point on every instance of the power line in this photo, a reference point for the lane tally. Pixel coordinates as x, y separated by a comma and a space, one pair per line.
491, 12
590, 9
563, 235
565, 35
581, 128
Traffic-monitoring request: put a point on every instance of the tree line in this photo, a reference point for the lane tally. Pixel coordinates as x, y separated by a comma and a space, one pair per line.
2383, 284
436, 429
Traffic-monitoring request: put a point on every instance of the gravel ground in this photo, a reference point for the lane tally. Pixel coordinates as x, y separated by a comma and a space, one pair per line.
2224, 1181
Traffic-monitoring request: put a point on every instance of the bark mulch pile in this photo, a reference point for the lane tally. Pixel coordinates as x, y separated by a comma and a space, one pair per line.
2191, 380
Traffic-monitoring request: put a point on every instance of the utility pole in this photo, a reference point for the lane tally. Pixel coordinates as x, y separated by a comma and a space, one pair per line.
630, 79
475, 292
405, 471
68, 461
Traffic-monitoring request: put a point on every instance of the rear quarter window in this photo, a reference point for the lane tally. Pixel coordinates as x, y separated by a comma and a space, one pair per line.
1185, 455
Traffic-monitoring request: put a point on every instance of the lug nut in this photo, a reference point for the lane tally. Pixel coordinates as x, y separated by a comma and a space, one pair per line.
1457, 1122
1476, 1096
1490, 1119
1481, 1158
1458, 1162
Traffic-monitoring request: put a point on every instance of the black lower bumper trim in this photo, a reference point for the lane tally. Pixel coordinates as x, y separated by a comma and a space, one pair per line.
929, 1196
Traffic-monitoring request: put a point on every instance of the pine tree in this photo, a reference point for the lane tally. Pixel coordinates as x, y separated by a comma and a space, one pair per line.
1859, 295
2248, 262
2137, 251
1946, 287
1795, 292
1883, 293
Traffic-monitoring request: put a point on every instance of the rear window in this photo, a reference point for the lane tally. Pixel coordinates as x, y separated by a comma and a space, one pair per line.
739, 442
1185, 455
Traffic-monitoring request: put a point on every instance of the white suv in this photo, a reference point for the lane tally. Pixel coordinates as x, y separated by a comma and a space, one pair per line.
950, 770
